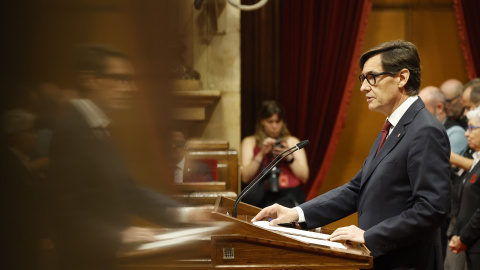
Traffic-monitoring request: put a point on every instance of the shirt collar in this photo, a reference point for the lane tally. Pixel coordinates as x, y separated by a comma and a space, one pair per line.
476, 158
181, 164
395, 117
94, 116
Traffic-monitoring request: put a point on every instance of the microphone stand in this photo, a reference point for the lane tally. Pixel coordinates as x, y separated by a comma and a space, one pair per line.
266, 170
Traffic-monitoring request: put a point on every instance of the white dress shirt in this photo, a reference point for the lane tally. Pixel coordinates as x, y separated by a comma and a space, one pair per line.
178, 173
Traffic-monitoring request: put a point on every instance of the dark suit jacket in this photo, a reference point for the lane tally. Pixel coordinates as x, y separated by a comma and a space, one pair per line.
94, 195
468, 222
401, 195
196, 171
19, 208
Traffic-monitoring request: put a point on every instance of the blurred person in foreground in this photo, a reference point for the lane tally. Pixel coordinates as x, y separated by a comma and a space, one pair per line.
466, 231
283, 184
452, 88
94, 193
401, 193
20, 193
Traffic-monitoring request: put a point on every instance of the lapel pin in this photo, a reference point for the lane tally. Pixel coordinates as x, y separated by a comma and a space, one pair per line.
398, 136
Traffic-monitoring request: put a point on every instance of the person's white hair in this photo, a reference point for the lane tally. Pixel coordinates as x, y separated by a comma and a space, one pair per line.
16, 121
474, 114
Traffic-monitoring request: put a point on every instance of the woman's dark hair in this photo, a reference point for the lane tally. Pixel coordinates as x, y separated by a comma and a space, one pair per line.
269, 108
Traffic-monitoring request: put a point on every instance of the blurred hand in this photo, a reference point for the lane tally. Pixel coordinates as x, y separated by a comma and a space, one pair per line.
278, 150
349, 233
280, 214
138, 234
456, 246
267, 146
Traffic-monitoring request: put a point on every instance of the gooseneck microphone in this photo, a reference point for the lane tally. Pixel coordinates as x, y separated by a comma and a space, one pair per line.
266, 170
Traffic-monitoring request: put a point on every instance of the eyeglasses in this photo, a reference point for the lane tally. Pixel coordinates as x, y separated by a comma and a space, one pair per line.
470, 128
452, 99
371, 77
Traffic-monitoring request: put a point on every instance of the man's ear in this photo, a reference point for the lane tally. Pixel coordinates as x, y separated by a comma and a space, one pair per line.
86, 79
404, 74
440, 106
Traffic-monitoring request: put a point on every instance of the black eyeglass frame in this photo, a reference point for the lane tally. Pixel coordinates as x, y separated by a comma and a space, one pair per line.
362, 77
452, 99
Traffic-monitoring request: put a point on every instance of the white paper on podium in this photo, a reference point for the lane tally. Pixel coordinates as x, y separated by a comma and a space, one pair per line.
304, 236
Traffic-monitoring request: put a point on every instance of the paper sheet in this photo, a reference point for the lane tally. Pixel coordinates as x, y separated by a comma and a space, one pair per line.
304, 236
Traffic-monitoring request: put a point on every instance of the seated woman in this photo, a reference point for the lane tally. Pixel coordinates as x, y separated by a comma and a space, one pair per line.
271, 138
466, 233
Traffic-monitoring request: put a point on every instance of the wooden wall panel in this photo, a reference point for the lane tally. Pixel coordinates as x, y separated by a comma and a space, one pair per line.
436, 36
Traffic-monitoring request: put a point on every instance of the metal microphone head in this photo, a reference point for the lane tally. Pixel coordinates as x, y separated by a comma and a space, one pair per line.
302, 144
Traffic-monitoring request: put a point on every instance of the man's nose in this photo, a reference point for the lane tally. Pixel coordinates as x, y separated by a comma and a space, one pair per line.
365, 86
128, 86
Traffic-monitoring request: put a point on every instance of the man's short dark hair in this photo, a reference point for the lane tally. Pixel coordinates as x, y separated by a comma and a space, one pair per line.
397, 55
474, 84
91, 57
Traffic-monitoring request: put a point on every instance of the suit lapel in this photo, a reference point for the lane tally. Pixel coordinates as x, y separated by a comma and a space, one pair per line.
393, 139
467, 178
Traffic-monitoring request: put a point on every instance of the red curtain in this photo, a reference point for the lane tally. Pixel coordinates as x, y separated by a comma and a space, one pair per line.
321, 46
468, 22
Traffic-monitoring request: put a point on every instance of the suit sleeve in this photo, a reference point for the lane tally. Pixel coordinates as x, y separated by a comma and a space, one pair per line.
71, 180
152, 205
333, 205
428, 181
471, 232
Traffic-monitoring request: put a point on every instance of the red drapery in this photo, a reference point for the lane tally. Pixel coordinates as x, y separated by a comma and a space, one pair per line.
468, 22
321, 45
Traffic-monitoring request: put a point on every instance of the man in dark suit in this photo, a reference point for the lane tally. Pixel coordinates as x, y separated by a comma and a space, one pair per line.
466, 231
94, 193
401, 193
187, 170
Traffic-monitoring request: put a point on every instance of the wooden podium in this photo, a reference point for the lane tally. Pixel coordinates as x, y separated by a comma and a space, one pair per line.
238, 244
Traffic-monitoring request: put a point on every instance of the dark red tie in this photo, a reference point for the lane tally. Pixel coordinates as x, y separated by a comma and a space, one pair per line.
385, 129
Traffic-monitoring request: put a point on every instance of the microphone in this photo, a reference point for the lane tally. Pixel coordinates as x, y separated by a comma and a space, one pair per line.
266, 170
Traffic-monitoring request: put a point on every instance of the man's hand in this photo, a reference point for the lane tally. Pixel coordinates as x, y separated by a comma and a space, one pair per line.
456, 245
350, 233
280, 214
138, 234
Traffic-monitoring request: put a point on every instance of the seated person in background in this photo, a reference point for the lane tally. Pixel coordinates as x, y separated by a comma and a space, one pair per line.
435, 102
466, 231
452, 88
186, 170
470, 100
271, 138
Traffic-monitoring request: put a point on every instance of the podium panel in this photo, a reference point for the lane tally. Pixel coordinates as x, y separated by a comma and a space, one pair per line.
236, 243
